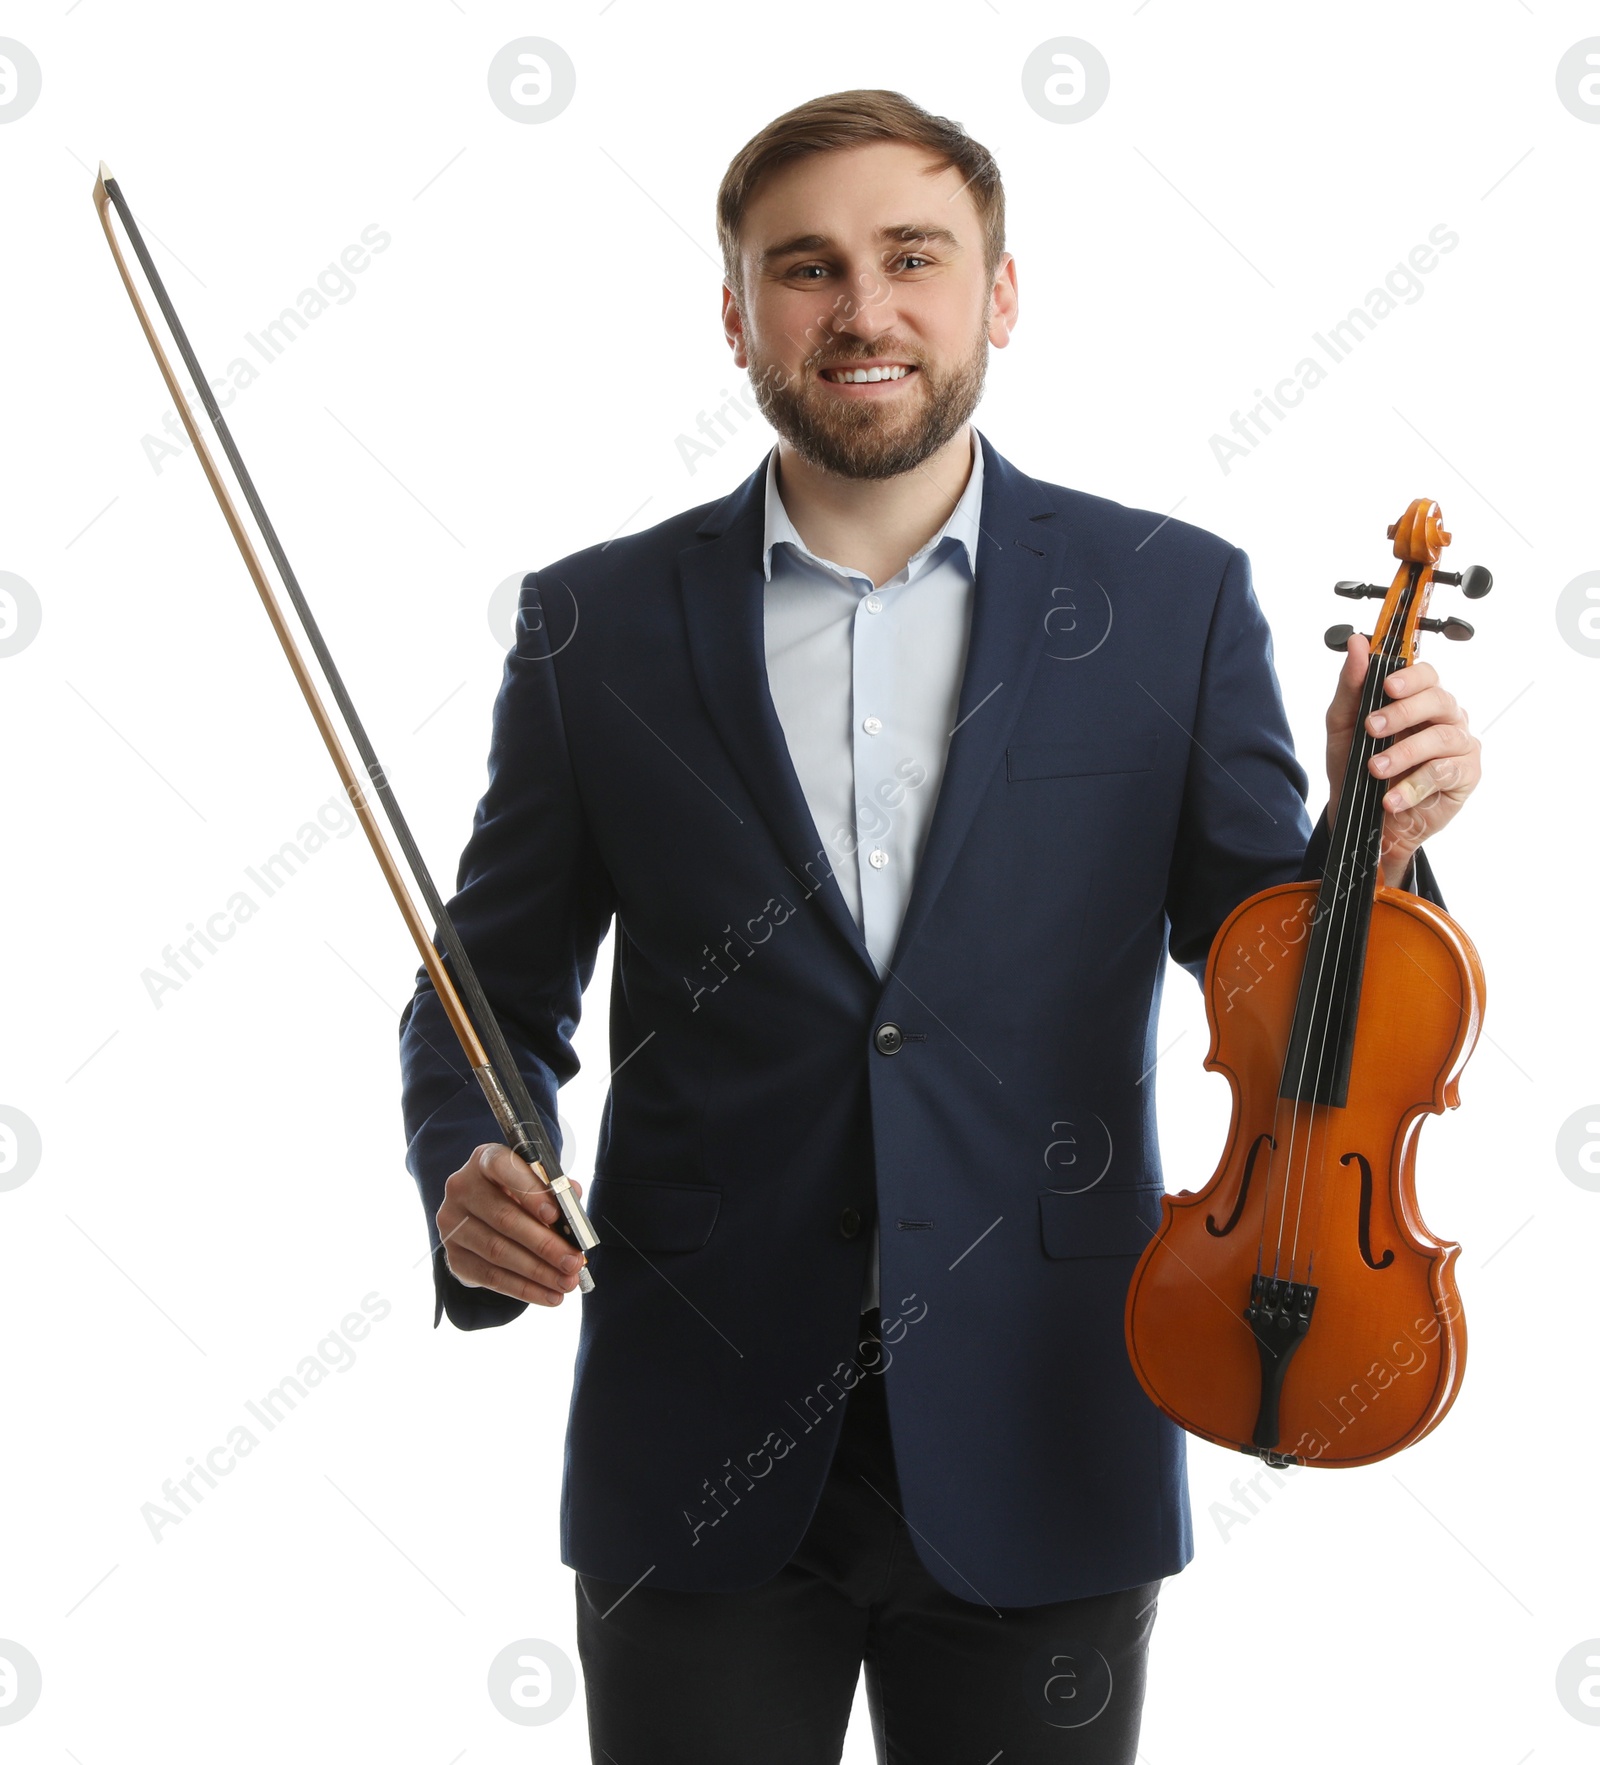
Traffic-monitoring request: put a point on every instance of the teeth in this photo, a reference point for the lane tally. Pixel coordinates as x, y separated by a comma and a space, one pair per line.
866, 376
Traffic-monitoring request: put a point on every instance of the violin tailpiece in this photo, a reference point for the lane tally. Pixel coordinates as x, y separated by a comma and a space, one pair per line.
1279, 1314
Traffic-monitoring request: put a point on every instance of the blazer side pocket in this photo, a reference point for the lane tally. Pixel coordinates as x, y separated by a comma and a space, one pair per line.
661, 1217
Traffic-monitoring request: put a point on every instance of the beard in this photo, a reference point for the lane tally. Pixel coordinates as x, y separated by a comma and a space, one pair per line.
870, 438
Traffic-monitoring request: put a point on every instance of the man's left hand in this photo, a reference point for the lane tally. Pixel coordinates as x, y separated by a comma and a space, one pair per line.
1431, 768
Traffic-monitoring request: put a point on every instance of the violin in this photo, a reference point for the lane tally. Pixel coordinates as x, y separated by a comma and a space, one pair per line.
1297, 1308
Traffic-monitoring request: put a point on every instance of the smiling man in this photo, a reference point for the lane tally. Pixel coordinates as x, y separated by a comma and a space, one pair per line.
902, 774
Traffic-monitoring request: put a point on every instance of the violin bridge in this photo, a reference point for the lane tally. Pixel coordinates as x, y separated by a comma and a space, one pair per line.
1279, 1315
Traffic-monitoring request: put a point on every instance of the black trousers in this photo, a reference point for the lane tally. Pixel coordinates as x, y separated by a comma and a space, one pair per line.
767, 1676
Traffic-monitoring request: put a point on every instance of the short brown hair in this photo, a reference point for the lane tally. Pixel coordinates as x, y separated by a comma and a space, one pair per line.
850, 119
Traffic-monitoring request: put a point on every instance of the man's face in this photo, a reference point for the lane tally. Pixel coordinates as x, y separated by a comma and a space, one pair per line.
867, 258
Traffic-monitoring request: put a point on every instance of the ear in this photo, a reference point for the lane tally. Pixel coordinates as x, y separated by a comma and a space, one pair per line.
1003, 302
733, 327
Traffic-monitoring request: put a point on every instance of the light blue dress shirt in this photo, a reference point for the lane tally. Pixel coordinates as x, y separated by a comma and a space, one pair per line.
865, 681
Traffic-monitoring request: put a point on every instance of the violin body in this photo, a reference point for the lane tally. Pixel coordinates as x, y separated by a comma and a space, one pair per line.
1383, 1357
1298, 1308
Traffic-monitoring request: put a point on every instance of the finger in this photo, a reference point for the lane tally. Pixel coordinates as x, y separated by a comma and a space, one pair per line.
541, 1188
1347, 694
488, 1191
1435, 785
1432, 742
1431, 704
1403, 831
544, 1206
513, 1173
1413, 678
476, 1272
508, 1239
519, 1179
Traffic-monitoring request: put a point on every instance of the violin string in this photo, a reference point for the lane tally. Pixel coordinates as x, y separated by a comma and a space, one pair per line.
1329, 949
1337, 1012
1286, 1141
1338, 942
1332, 947
1345, 1000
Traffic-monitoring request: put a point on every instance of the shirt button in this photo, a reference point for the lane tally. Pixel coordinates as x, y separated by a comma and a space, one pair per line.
877, 857
873, 603
872, 724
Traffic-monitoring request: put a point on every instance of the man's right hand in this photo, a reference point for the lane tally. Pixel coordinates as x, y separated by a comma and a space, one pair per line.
496, 1222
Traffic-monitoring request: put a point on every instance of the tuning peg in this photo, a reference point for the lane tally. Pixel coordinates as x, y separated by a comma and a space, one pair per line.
1337, 636
1359, 591
1457, 630
1474, 582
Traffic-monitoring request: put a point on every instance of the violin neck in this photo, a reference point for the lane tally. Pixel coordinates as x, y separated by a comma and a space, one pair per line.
1316, 1068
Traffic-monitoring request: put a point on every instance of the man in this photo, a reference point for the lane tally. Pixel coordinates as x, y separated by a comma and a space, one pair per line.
901, 773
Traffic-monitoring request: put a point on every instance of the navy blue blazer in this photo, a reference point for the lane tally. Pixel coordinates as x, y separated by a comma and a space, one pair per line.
1120, 777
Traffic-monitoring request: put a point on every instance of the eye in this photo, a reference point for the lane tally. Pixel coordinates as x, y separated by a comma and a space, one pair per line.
912, 260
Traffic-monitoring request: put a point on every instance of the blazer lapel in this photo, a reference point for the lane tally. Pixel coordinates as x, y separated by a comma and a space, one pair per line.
1022, 557
723, 590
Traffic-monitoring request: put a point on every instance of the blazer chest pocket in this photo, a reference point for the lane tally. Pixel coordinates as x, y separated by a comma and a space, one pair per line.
1099, 1222
653, 1216
1079, 759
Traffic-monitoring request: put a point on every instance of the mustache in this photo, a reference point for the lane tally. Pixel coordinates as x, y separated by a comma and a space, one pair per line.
836, 359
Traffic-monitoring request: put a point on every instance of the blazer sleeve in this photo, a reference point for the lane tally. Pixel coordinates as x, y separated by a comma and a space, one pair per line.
533, 901
1418, 879
1243, 824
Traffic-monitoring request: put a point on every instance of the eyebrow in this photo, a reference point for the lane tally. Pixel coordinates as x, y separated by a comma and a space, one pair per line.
906, 233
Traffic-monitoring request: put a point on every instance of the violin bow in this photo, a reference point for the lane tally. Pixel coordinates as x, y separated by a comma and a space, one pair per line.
478, 1031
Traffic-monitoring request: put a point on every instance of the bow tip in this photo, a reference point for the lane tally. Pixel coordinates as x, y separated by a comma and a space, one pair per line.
105, 173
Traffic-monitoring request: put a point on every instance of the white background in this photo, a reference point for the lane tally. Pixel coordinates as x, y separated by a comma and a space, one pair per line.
222, 1177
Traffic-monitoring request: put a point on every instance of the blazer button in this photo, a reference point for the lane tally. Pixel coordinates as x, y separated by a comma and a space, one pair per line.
888, 1038
849, 1223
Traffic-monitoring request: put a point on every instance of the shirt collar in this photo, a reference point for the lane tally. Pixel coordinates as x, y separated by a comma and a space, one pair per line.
961, 525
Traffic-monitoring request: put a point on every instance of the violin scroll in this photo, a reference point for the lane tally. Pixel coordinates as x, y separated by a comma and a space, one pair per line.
1419, 534
1419, 539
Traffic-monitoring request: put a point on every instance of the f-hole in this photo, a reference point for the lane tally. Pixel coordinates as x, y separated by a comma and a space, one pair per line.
1365, 1225
1212, 1227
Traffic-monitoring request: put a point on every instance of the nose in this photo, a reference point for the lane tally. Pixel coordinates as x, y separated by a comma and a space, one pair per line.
868, 310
